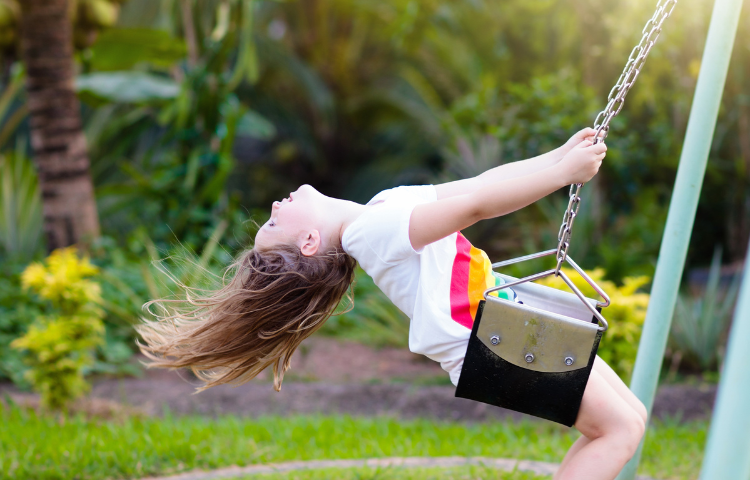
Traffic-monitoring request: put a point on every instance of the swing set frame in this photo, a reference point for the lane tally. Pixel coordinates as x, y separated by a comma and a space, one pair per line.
726, 455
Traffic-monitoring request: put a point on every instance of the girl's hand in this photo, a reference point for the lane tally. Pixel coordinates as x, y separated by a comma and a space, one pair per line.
585, 134
582, 162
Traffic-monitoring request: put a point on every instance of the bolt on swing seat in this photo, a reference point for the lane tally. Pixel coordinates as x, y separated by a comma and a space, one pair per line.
536, 357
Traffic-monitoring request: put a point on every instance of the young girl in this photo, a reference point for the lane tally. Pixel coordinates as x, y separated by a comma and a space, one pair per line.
406, 239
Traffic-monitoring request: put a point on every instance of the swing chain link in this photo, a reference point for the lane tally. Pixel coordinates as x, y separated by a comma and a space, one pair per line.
615, 102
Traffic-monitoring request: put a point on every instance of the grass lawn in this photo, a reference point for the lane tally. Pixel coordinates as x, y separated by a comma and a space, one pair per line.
44, 447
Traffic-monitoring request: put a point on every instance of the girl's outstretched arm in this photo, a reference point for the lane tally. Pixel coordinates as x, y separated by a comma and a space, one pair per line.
435, 220
513, 169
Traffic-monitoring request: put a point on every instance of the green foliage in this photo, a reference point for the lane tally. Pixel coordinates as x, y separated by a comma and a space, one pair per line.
20, 199
119, 49
125, 87
626, 314
92, 449
355, 97
701, 321
123, 292
61, 345
164, 146
60, 349
366, 97
20, 206
18, 309
12, 109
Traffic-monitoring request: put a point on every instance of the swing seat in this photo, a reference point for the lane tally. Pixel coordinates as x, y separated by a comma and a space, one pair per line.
534, 357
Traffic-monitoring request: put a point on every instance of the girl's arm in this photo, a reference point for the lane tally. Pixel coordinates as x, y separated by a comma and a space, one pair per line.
512, 170
432, 221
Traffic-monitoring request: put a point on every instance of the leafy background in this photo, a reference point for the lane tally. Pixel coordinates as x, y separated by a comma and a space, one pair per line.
200, 113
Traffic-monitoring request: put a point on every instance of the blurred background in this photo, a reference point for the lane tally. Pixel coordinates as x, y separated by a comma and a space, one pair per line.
197, 114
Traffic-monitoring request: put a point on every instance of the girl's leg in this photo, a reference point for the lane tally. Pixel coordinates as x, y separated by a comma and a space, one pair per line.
619, 386
616, 382
572, 452
612, 429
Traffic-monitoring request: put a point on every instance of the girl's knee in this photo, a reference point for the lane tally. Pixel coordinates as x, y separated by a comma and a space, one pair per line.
630, 432
640, 408
638, 425
625, 429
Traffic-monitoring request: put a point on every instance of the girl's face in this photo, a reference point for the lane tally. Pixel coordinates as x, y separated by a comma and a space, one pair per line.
293, 219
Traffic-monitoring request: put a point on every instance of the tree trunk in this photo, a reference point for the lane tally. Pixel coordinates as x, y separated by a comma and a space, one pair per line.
57, 140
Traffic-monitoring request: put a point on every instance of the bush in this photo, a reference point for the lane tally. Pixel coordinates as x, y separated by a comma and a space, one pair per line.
700, 322
625, 315
61, 345
18, 309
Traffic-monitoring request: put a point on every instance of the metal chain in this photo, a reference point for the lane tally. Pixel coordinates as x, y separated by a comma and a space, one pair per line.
615, 102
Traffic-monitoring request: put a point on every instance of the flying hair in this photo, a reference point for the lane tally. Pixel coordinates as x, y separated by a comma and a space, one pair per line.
271, 300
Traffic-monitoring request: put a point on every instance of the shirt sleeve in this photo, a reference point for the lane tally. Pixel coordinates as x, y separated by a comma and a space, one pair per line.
387, 232
423, 192
385, 227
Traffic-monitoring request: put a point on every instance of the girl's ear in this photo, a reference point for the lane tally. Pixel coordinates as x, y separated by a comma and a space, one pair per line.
310, 244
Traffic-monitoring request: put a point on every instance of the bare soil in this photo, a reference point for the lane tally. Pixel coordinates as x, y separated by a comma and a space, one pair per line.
330, 376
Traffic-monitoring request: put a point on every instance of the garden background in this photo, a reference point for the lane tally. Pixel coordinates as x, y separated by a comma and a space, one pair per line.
197, 114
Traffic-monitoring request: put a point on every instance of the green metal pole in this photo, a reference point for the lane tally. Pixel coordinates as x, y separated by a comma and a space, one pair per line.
682, 208
728, 447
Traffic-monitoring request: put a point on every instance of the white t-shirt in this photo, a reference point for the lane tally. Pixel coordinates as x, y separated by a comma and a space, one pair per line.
438, 287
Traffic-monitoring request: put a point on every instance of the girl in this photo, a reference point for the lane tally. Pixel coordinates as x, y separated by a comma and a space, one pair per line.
406, 239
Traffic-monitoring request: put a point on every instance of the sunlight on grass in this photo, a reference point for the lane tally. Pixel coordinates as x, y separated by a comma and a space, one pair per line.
43, 447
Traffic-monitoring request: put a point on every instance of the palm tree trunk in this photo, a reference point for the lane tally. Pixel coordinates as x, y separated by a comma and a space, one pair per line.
57, 140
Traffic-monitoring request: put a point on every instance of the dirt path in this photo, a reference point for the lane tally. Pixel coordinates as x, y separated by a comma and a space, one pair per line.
328, 376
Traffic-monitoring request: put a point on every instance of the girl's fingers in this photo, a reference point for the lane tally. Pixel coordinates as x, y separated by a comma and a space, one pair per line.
599, 148
588, 131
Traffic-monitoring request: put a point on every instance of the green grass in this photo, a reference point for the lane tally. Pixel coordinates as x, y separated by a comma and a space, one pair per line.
45, 447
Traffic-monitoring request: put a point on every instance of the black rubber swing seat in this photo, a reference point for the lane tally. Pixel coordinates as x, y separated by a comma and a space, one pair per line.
534, 357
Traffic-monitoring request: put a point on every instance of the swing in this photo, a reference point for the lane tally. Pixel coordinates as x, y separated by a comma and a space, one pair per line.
536, 357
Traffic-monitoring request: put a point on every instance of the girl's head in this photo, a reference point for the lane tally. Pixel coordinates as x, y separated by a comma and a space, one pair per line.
306, 219
276, 295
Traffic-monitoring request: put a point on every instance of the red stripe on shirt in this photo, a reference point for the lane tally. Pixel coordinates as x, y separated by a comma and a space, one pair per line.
460, 305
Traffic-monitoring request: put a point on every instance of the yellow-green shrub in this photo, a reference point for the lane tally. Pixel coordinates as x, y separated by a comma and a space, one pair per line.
625, 315
61, 345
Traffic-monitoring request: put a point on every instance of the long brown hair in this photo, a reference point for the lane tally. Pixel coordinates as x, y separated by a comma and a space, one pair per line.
273, 300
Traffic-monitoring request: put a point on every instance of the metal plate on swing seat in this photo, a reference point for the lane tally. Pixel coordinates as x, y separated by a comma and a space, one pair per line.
534, 339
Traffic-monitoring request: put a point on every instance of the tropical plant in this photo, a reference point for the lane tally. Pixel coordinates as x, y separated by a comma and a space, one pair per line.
163, 135
12, 109
20, 206
626, 314
61, 345
701, 321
